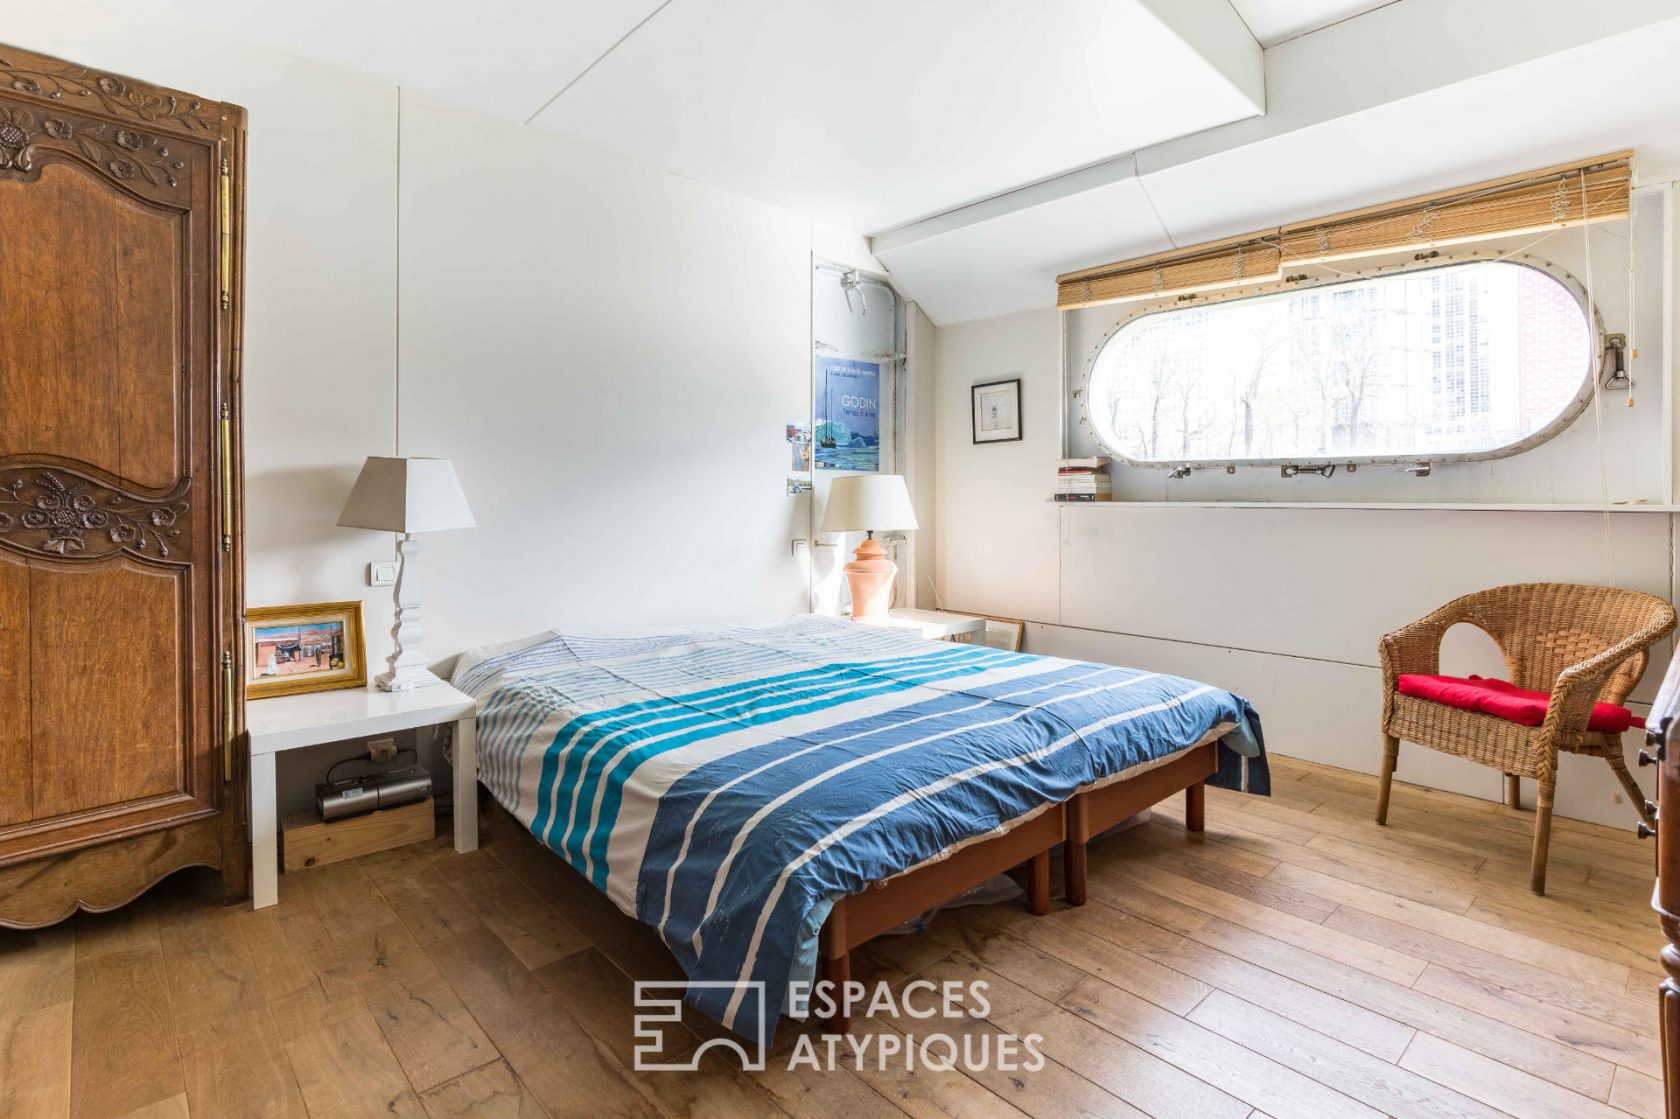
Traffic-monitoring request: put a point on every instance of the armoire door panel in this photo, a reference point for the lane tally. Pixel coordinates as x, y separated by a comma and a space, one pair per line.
121, 554
107, 690
103, 387
14, 691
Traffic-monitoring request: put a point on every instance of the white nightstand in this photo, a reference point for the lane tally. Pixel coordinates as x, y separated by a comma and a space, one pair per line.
316, 718
936, 625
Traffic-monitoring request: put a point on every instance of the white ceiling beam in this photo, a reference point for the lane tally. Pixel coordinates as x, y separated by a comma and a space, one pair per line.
1403, 50
1214, 30
1395, 52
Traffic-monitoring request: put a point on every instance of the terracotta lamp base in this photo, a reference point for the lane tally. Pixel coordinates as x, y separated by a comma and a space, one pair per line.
871, 578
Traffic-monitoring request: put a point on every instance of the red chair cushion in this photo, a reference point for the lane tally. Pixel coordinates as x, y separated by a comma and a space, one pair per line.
1505, 700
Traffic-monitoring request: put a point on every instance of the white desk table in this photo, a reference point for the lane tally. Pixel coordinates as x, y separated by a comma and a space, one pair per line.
936, 625
316, 718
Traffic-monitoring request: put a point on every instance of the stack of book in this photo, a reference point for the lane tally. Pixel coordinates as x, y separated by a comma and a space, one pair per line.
1083, 479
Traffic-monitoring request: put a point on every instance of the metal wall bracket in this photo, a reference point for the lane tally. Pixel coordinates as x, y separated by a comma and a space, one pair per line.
1613, 366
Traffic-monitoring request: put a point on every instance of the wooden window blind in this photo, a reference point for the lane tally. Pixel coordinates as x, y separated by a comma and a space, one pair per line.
1251, 259
1535, 201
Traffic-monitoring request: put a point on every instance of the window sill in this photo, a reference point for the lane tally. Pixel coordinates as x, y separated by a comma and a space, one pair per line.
1403, 506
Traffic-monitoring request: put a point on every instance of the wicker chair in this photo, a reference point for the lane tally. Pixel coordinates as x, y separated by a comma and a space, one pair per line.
1581, 644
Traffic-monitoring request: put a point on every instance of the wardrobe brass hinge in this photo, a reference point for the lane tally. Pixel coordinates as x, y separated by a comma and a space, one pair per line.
227, 715
227, 235
227, 477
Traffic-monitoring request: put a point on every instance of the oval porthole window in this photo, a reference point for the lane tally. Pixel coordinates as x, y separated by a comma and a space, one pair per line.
1452, 362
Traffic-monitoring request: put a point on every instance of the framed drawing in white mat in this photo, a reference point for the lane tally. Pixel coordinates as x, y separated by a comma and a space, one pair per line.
997, 411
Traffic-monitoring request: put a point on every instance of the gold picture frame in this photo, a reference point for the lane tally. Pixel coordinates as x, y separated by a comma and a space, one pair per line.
312, 648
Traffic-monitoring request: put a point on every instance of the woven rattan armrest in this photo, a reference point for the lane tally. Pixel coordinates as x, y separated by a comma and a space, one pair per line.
1416, 647
1579, 686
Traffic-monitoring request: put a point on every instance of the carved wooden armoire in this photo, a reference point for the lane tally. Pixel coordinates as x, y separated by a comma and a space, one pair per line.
120, 543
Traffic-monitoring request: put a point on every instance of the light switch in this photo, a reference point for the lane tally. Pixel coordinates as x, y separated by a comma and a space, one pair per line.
382, 574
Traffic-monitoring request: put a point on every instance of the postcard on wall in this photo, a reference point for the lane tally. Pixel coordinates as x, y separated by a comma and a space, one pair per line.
848, 430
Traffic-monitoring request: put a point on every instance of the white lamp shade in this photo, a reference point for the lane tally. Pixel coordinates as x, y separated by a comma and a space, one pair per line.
872, 502
407, 495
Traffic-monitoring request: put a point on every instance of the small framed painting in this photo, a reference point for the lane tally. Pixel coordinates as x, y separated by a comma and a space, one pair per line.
292, 649
1004, 633
997, 411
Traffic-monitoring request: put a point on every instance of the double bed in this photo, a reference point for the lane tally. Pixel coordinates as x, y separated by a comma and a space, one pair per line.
769, 796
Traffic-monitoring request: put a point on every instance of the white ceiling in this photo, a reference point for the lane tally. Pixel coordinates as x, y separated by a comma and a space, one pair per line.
1273, 21
990, 144
1351, 122
505, 57
863, 114
869, 113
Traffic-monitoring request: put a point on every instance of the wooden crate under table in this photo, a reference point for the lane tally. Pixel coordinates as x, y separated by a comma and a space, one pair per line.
306, 841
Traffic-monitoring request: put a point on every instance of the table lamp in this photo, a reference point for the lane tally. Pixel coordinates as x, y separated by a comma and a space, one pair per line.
407, 495
873, 503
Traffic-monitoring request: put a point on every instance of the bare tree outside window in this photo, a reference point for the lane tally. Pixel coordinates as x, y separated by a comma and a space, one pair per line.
1460, 359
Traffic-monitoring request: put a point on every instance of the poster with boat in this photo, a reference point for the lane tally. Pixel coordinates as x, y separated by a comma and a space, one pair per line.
847, 435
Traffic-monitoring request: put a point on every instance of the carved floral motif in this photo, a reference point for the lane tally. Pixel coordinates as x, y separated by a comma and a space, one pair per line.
59, 516
122, 153
16, 152
51, 78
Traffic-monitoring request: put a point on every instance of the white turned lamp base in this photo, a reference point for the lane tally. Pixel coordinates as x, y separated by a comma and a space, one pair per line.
390, 681
406, 667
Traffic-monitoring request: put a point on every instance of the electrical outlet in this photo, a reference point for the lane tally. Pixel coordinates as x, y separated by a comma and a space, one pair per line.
382, 574
382, 750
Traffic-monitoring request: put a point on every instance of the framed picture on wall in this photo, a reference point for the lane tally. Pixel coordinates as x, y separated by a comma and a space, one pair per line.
292, 649
1004, 633
996, 411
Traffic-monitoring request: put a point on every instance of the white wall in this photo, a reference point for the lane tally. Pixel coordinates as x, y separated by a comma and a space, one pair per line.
921, 471
998, 543
608, 352
1282, 605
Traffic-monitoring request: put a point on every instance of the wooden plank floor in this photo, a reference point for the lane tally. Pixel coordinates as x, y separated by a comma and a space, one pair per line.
1295, 960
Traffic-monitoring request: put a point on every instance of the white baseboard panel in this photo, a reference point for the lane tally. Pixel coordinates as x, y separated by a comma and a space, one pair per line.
1328, 712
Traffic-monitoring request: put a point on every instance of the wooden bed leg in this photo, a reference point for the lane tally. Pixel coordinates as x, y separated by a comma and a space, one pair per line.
1038, 884
835, 967
1195, 806
838, 972
1074, 851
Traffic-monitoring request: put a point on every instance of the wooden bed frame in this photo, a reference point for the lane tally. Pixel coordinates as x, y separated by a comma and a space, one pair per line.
859, 918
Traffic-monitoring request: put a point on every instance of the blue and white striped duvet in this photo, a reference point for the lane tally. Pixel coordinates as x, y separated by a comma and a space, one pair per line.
727, 786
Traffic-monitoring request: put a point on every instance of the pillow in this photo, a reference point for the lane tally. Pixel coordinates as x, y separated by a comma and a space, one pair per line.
1505, 700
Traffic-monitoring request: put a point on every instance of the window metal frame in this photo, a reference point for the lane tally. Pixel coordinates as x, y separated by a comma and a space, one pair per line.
1571, 412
